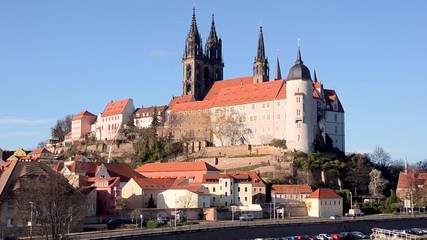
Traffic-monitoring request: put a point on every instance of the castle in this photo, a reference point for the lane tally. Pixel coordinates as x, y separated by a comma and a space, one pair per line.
252, 109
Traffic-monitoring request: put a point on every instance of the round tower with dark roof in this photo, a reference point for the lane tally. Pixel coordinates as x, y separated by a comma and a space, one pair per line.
301, 116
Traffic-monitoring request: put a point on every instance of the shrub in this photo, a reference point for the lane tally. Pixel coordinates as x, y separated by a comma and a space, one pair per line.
152, 224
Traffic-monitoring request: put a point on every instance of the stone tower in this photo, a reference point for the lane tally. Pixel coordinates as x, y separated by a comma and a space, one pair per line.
261, 69
301, 115
201, 70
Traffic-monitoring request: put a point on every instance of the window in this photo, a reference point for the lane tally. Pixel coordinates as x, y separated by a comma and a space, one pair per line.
268, 105
253, 106
268, 117
238, 199
213, 189
336, 129
225, 184
336, 117
298, 112
238, 189
246, 189
299, 138
278, 104
226, 194
263, 105
213, 199
246, 198
10, 222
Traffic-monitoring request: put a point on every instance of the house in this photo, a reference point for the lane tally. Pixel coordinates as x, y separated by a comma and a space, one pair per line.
13, 210
91, 199
239, 188
143, 116
139, 192
115, 115
108, 190
285, 193
184, 197
39, 155
324, 203
194, 171
107, 178
81, 125
413, 184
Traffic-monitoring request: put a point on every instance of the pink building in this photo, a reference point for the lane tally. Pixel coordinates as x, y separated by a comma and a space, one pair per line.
108, 194
81, 125
194, 171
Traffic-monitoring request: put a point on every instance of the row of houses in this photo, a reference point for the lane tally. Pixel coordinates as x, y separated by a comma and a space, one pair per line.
113, 187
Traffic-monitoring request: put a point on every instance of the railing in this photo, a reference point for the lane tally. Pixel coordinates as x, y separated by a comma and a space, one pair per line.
208, 226
384, 234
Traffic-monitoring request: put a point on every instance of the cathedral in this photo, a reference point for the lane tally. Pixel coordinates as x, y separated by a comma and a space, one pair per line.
252, 109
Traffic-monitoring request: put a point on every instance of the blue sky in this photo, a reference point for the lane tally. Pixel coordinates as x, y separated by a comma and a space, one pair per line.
62, 57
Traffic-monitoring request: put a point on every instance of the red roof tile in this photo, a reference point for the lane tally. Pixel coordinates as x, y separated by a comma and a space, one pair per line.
154, 183
114, 108
323, 193
406, 180
80, 115
289, 189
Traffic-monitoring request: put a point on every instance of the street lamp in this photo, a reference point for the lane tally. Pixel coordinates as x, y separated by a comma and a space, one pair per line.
351, 200
31, 220
142, 219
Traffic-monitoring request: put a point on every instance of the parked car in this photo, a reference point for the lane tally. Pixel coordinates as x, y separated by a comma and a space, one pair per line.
163, 220
247, 217
335, 217
347, 236
117, 223
324, 236
359, 235
337, 236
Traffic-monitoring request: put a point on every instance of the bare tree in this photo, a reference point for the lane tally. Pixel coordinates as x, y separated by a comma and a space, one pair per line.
62, 127
188, 200
377, 183
54, 204
380, 157
229, 126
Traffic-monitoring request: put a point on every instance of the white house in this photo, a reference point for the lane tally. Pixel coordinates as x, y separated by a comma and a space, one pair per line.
324, 203
115, 115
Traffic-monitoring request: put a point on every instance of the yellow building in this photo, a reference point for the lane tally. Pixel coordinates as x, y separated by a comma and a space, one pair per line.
324, 203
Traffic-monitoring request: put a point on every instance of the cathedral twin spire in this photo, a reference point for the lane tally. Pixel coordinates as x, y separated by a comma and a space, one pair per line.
201, 69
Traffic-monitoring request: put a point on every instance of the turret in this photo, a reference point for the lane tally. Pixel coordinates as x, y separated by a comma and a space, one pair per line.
301, 115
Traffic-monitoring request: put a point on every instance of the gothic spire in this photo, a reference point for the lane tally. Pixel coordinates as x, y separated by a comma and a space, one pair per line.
213, 46
278, 72
261, 49
261, 69
193, 45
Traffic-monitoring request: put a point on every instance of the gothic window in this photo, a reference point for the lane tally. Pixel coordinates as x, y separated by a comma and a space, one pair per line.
188, 72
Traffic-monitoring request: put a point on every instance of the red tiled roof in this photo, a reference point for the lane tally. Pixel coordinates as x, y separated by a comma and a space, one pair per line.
323, 193
39, 151
248, 93
114, 108
250, 176
289, 189
122, 170
175, 167
80, 115
154, 183
89, 168
219, 85
406, 180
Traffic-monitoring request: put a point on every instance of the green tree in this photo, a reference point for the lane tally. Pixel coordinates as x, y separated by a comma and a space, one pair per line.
151, 203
